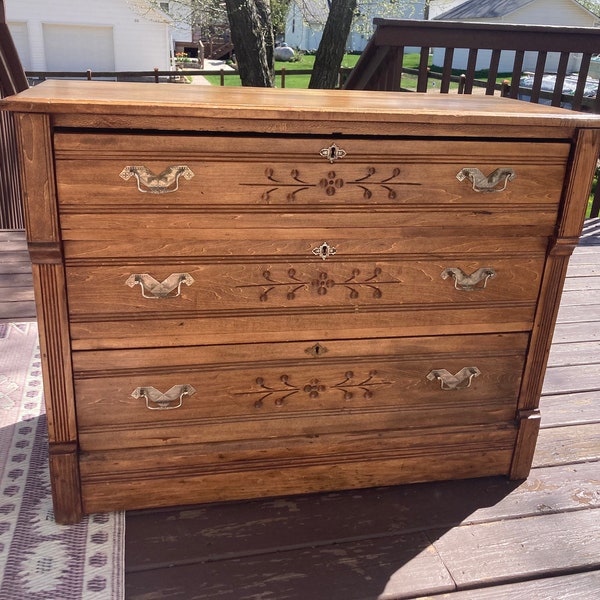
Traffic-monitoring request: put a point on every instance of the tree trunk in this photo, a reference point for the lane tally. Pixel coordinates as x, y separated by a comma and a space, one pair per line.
333, 44
252, 37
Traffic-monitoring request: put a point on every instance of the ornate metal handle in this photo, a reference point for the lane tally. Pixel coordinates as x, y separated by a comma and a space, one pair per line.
164, 183
484, 184
159, 289
460, 381
468, 283
163, 400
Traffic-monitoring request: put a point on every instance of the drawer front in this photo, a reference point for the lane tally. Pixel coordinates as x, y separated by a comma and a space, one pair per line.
235, 300
241, 393
212, 289
301, 173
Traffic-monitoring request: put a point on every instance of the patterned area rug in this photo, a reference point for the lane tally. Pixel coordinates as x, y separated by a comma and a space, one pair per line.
40, 560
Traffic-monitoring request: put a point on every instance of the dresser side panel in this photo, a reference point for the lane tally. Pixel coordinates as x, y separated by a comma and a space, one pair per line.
43, 234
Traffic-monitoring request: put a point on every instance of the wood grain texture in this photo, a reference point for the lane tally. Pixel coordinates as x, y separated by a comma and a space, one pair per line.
567, 587
477, 552
101, 98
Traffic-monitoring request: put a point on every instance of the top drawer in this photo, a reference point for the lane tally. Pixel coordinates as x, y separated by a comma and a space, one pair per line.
116, 170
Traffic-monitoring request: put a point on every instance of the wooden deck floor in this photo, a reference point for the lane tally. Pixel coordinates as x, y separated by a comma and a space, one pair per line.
479, 539
16, 291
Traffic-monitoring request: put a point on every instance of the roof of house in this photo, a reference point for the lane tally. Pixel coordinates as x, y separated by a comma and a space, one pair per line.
486, 9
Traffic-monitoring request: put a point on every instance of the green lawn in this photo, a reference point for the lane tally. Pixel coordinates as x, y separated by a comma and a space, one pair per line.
305, 63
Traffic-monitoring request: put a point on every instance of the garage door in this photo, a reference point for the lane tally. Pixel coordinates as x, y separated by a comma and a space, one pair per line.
20, 36
78, 48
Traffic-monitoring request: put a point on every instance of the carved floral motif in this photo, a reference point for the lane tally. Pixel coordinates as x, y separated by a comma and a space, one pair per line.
314, 388
322, 283
331, 183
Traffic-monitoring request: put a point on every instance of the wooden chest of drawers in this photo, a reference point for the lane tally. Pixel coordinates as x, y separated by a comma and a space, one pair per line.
248, 293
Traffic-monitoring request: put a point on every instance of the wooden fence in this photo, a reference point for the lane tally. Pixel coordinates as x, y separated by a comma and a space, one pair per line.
158, 76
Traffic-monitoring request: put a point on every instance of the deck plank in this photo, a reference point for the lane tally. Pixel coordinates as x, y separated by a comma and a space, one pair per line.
16, 280
477, 554
578, 353
580, 586
567, 445
218, 532
570, 409
571, 378
352, 571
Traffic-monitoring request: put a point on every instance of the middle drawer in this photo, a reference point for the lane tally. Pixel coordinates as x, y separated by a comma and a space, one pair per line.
173, 304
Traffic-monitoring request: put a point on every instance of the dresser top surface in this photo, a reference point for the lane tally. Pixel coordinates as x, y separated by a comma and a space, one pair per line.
155, 100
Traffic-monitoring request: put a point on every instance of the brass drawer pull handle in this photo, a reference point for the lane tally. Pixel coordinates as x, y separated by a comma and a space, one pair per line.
163, 401
460, 381
159, 289
164, 183
468, 283
484, 184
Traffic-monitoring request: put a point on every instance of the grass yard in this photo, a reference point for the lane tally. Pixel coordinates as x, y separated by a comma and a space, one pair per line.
305, 63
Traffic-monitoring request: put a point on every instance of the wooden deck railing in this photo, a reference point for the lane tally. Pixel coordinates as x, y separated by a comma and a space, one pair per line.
380, 66
12, 80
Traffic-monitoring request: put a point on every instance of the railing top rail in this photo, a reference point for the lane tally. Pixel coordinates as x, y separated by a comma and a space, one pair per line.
501, 36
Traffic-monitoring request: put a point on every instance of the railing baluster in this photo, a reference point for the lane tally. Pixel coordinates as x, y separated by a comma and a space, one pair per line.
493, 72
581, 81
538, 77
563, 63
423, 70
516, 74
470, 74
595, 212
447, 70
395, 70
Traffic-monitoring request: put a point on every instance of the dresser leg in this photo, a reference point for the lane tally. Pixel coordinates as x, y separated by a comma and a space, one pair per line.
64, 474
528, 428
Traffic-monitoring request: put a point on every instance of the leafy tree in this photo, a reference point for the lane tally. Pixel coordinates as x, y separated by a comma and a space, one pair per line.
591, 5
333, 44
253, 22
252, 37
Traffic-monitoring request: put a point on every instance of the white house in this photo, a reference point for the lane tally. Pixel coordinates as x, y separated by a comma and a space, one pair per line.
101, 35
306, 19
526, 12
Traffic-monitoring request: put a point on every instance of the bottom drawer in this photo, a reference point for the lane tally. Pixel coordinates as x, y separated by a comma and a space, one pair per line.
150, 477
242, 393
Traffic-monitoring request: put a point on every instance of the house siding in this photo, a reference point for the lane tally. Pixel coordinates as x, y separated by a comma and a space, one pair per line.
306, 33
139, 43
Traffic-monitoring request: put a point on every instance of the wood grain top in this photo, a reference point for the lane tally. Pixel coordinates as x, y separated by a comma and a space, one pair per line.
112, 98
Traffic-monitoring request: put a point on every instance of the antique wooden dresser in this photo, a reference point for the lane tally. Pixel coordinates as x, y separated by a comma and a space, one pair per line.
247, 292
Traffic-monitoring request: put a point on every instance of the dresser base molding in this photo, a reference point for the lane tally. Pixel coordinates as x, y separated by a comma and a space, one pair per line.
528, 423
116, 480
281, 292
66, 486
